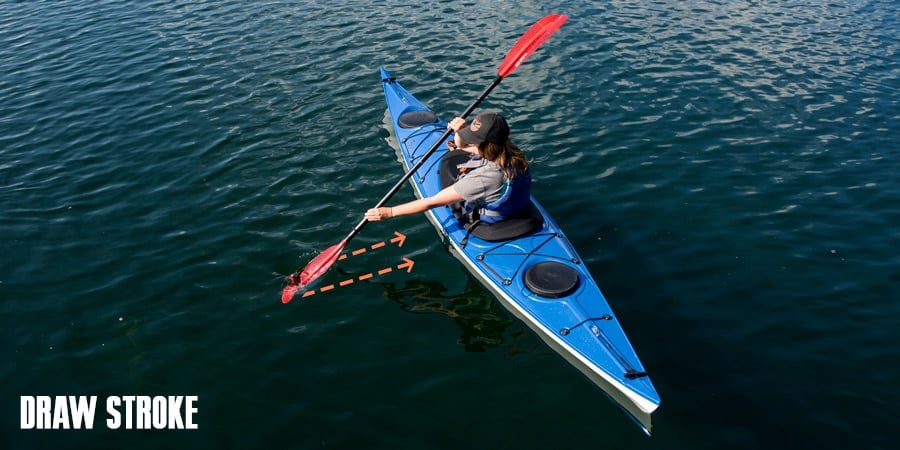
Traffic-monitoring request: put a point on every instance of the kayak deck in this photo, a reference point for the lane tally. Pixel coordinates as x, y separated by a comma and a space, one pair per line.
538, 277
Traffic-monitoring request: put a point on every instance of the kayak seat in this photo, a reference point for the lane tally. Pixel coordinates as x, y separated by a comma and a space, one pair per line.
416, 118
552, 279
528, 222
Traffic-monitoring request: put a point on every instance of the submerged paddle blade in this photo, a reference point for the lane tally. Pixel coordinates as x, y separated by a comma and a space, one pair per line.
287, 294
315, 269
530, 41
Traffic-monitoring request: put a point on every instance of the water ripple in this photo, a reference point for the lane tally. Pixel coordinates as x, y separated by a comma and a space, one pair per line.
728, 165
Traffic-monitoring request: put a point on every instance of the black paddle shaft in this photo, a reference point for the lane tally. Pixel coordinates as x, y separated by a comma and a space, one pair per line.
424, 157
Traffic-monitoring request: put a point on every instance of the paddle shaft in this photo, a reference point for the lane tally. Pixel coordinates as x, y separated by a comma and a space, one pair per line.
524, 47
362, 223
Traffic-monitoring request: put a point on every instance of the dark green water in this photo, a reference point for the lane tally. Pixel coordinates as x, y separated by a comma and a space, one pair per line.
728, 171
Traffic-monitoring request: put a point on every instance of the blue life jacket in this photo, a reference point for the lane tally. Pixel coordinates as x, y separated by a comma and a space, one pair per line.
515, 199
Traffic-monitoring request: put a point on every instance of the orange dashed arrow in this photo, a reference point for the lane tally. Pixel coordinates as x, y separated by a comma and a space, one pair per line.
399, 238
406, 264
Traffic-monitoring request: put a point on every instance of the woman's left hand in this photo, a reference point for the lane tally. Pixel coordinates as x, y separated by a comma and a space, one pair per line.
376, 214
457, 123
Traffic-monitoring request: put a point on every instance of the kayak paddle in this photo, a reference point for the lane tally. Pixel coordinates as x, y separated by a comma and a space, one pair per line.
523, 48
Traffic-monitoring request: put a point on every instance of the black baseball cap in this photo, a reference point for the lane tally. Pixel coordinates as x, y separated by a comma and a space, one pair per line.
487, 127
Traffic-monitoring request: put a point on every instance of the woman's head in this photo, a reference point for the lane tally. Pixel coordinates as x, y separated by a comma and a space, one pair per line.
486, 127
489, 132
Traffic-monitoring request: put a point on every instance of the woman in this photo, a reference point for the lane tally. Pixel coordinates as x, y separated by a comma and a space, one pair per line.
494, 184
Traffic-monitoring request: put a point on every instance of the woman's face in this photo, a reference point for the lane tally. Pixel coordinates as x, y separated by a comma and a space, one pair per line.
469, 148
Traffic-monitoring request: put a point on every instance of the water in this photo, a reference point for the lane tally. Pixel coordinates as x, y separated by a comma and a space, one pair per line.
726, 169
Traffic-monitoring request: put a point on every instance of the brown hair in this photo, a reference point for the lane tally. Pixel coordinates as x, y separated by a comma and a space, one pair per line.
507, 156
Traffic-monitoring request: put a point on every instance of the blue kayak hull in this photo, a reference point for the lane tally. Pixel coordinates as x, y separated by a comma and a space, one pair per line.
578, 324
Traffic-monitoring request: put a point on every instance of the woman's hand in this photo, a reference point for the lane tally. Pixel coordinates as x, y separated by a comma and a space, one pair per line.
376, 214
457, 123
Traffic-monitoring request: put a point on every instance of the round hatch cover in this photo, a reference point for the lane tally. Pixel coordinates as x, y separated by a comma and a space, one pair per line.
551, 279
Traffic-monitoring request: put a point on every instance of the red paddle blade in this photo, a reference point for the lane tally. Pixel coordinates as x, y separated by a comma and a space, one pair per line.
529, 42
315, 269
287, 294
321, 263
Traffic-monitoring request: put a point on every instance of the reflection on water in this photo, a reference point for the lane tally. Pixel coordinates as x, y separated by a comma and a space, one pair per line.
482, 320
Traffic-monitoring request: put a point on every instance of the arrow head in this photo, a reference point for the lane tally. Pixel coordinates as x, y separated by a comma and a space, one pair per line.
407, 264
399, 238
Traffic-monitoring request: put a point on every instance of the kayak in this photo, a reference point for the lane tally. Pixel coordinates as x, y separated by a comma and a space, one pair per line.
537, 276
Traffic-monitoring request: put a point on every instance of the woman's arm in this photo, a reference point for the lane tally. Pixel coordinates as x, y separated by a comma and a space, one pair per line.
447, 196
